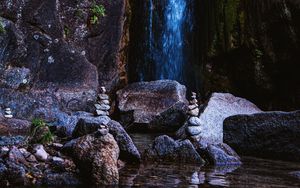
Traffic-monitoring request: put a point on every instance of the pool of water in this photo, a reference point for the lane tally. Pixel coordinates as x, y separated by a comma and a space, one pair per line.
253, 173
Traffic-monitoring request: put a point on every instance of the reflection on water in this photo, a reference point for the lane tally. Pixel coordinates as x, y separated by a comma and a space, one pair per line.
253, 173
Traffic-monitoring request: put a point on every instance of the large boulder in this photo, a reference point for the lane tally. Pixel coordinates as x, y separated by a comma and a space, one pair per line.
208, 128
128, 151
155, 106
14, 126
166, 149
222, 155
271, 135
89, 124
50, 55
96, 156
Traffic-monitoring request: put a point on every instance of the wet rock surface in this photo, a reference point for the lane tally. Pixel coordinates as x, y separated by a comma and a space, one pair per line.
222, 155
165, 149
128, 150
97, 157
210, 122
12, 126
141, 103
272, 134
19, 167
51, 55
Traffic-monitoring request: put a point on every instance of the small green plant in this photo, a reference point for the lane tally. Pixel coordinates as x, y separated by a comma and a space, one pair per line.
66, 31
2, 29
40, 132
258, 53
97, 11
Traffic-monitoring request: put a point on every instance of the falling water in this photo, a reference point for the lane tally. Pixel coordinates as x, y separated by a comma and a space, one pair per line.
171, 62
163, 50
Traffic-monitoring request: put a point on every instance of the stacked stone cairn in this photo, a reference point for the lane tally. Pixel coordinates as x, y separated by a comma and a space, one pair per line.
193, 106
102, 105
193, 126
8, 113
102, 110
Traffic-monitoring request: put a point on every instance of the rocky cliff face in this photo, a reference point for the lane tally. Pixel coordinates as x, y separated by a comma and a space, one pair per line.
250, 48
56, 54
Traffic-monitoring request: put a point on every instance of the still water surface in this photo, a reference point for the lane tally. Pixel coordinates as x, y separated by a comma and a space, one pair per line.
253, 173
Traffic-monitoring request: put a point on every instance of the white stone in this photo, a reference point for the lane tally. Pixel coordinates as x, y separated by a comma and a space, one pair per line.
40, 153
192, 107
51, 60
102, 113
103, 90
194, 112
194, 130
8, 116
5, 149
194, 121
103, 107
103, 97
104, 102
57, 159
57, 145
8, 112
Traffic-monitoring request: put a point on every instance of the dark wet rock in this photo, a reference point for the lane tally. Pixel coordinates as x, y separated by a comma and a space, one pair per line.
97, 159
219, 107
166, 149
4, 151
171, 119
89, 124
222, 155
11, 126
12, 140
128, 151
16, 156
16, 174
150, 105
51, 46
3, 171
60, 179
15, 77
272, 134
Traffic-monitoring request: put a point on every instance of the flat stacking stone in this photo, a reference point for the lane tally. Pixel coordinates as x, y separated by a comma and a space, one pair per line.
194, 121
104, 102
104, 107
194, 101
8, 112
194, 112
192, 107
102, 90
102, 113
193, 130
101, 132
8, 116
103, 97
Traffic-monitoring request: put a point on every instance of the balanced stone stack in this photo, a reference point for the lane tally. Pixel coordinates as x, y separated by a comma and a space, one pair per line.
8, 113
102, 106
193, 106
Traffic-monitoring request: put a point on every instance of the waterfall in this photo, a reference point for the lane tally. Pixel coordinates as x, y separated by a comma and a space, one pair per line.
170, 65
160, 51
